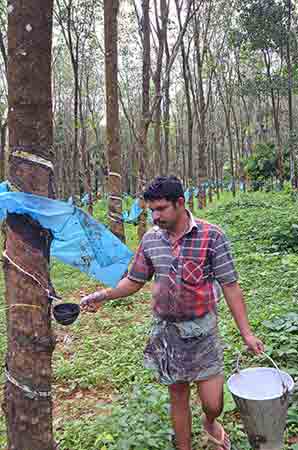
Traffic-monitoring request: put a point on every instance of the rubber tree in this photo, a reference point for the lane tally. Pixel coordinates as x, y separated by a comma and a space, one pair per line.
111, 8
27, 398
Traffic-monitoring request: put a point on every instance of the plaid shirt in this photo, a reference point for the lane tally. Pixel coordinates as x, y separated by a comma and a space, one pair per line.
185, 272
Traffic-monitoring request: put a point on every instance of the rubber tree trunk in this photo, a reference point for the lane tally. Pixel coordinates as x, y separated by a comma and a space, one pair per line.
30, 340
111, 8
3, 127
145, 120
293, 175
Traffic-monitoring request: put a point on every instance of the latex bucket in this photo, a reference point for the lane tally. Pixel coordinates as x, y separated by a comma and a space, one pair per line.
262, 396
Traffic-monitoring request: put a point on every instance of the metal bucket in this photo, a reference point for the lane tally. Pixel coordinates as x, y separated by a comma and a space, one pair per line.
262, 396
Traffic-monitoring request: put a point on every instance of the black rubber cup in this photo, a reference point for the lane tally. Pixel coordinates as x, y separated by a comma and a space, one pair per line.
66, 313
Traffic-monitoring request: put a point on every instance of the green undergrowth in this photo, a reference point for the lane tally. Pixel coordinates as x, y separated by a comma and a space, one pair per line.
104, 398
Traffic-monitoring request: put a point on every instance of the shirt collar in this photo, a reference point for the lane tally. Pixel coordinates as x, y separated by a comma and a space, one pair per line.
192, 223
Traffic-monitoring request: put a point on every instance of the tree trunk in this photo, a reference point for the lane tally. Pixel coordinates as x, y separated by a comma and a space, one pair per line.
3, 129
167, 117
275, 110
30, 340
293, 176
210, 153
145, 120
87, 179
203, 170
216, 169
161, 35
230, 139
111, 8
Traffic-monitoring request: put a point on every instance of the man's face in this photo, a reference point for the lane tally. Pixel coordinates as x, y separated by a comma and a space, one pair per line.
166, 214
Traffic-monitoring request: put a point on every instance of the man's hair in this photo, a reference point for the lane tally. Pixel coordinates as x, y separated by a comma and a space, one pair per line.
168, 188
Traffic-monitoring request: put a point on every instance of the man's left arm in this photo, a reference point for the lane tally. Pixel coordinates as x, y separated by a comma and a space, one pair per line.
235, 300
225, 273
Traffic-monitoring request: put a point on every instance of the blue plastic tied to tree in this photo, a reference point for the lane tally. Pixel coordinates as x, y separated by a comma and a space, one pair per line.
85, 200
4, 187
78, 239
187, 195
133, 215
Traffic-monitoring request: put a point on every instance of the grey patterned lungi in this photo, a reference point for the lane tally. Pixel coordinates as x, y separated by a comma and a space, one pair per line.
184, 351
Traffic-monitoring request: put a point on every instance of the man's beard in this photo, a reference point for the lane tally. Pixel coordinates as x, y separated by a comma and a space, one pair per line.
164, 225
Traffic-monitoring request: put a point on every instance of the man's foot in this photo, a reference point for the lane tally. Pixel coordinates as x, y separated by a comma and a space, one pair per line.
215, 435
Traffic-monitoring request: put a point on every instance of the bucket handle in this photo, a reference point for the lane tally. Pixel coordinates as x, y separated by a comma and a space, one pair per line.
285, 388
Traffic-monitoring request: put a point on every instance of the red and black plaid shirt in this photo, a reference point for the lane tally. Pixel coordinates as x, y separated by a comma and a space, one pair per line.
185, 272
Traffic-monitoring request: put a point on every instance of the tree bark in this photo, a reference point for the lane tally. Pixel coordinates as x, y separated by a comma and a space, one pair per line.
293, 175
161, 29
111, 8
30, 340
3, 128
167, 118
145, 119
275, 110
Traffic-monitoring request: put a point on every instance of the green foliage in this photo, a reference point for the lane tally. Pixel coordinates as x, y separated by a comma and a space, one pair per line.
262, 24
262, 164
139, 422
260, 85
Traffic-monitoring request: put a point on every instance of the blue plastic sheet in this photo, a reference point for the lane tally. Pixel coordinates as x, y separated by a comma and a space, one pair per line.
85, 199
187, 195
4, 187
134, 213
78, 239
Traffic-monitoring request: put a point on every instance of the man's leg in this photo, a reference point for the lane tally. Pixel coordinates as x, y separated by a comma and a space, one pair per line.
181, 414
211, 395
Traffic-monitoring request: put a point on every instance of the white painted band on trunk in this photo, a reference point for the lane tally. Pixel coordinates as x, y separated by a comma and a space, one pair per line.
114, 220
115, 174
116, 197
34, 158
116, 216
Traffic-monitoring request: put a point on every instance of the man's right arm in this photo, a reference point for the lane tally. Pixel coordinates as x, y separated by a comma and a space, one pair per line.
140, 272
124, 288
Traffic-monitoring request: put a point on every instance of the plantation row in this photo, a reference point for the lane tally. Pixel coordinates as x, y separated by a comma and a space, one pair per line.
104, 398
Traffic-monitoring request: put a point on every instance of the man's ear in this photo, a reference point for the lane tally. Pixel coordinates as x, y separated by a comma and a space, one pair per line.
181, 202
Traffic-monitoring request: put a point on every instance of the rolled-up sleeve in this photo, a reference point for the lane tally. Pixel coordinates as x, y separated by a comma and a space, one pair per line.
223, 266
142, 269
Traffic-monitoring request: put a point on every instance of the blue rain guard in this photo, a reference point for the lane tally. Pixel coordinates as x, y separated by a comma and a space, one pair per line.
4, 187
78, 239
187, 195
85, 199
134, 213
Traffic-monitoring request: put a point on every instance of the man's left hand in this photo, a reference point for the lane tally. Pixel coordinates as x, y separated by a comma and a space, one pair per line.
254, 344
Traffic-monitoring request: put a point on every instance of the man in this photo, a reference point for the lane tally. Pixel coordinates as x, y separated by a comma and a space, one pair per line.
189, 259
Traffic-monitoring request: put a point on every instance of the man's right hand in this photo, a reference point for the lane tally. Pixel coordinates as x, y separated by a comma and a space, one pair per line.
92, 302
